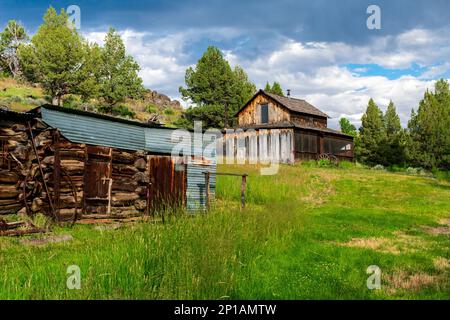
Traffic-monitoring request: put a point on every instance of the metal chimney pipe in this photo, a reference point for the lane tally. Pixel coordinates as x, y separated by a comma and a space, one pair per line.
288, 93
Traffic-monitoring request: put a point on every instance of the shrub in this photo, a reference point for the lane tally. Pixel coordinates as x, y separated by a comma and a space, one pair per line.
151, 108
323, 163
169, 111
123, 111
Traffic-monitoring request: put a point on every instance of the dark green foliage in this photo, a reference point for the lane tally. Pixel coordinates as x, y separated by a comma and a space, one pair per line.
393, 149
118, 72
57, 58
211, 116
214, 87
429, 129
119, 110
372, 136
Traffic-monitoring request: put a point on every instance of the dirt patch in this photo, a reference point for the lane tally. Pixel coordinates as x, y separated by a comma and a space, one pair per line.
444, 227
407, 281
46, 240
402, 243
441, 263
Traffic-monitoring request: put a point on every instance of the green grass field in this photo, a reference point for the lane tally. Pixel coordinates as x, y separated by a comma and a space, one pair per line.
307, 233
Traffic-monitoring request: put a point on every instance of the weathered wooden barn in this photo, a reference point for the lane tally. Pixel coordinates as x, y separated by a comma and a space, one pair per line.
74, 164
284, 129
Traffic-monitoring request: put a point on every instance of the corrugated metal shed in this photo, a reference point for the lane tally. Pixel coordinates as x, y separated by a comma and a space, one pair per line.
81, 127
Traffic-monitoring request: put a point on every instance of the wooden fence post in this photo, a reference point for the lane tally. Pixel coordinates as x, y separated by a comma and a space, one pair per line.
207, 174
243, 187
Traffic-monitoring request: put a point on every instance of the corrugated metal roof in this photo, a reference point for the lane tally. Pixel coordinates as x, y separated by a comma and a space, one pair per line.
95, 131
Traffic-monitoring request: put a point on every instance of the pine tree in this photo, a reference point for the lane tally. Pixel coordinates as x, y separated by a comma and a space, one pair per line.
394, 146
118, 74
212, 84
429, 129
276, 89
57, 57
372, 136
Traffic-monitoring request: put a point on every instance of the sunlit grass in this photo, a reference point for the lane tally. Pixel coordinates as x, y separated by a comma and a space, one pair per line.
290, 242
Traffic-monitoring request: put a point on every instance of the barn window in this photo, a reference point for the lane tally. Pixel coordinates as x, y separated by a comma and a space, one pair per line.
264, 113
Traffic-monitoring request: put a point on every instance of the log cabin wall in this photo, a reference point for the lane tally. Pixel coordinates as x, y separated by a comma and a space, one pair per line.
251, 115
309, 121
87, 186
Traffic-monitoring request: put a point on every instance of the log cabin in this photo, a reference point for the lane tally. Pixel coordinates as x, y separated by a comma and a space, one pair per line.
289, 129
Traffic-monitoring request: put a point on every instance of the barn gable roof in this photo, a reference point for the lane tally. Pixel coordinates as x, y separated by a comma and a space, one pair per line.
292, 104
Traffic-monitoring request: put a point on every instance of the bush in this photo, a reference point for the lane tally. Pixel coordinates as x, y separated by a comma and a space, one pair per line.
123, 111
441, 175
151, 108
120, 110
378, 167
169, 111
323, 163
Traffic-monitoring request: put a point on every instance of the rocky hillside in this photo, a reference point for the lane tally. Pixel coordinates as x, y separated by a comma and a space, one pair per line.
21, 97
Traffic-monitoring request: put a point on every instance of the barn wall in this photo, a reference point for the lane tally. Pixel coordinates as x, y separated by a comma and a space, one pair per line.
311, 121
251, 115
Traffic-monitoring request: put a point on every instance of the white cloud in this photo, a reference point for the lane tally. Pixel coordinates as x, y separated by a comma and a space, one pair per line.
314, 71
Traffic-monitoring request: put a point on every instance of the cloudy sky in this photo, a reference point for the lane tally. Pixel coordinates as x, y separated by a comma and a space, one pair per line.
321, 50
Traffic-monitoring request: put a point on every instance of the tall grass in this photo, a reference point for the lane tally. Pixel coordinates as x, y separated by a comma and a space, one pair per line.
282, 245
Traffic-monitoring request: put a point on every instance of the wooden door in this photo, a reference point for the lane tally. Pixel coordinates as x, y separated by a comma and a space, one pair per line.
97, 180
168, 183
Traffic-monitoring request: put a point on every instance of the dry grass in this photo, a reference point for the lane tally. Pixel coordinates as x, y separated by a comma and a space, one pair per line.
407, 281
402, 243
441, 263
444, 228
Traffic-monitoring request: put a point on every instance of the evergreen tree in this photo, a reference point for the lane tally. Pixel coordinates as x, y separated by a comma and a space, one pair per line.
429, 129
118, 74
212, 84
372, 136
275, 89
10, 40
394, 146
347, 127
56, 57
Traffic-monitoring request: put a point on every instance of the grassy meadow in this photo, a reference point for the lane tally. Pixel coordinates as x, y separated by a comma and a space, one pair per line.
306, 233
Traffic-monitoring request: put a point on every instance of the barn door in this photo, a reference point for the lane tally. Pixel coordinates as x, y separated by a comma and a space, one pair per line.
168, 183
97, 180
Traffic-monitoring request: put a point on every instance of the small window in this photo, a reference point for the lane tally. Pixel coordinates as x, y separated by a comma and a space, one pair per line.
264, 113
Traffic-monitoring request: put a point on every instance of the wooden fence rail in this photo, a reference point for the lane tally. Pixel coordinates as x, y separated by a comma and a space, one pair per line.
207, 186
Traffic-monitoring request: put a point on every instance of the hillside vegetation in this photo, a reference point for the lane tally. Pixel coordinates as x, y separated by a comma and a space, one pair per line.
306, 233
21, 96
